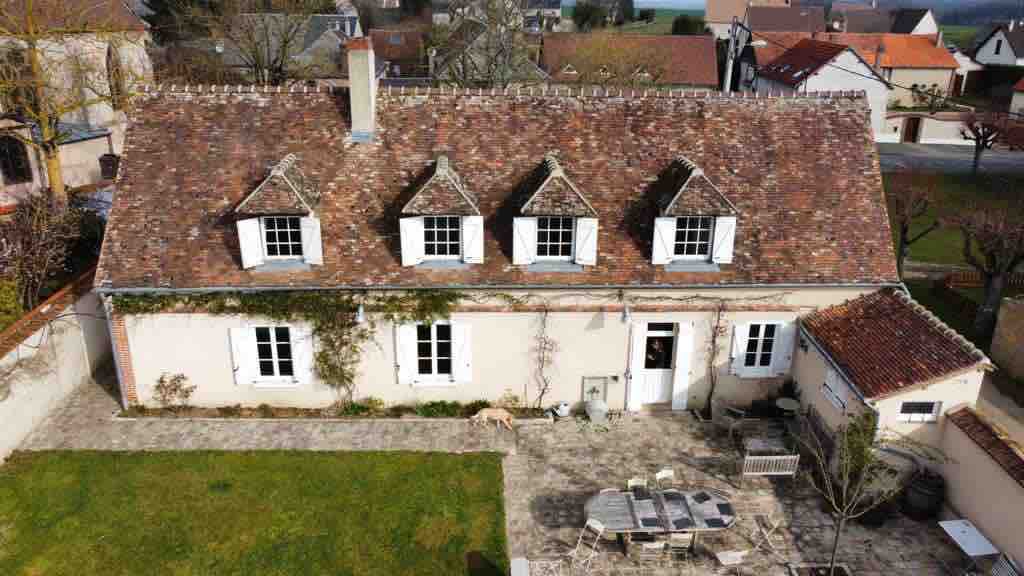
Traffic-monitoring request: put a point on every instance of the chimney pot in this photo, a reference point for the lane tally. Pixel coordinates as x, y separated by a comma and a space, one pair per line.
362, 88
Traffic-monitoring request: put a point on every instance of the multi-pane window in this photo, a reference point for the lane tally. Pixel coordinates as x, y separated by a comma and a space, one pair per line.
659, 346
282, 236
434, 349
274, 351
693, 236
760, 344
554, 237
441, 237
919, 412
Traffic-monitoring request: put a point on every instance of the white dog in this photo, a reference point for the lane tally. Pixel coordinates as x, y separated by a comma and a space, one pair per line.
499, 415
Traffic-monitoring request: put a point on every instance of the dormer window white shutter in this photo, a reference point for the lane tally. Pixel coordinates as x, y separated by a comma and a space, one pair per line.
243, 355
740, 331
250, 242
462, 348
663, 243
586, 241
473, 239
785, 344
725, 235
524, 240
312, 243
411, 230
405, 353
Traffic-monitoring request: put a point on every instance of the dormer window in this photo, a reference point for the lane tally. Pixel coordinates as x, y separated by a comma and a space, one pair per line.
443, 222
277, 222
557, 224
698, 223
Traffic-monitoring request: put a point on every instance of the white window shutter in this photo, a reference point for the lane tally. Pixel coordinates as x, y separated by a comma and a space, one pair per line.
586, 241
250, 240
725, 236
303, 353
411, 230
681, 365
243, 355
473, 239
405, 352
663, 243
462, 347
312, 243
637, 349
524, 241
782, 354
739, 347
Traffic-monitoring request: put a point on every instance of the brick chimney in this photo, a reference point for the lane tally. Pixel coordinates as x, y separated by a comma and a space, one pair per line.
362, 88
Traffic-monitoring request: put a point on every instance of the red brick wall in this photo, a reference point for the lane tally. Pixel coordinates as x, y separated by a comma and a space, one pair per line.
123, 358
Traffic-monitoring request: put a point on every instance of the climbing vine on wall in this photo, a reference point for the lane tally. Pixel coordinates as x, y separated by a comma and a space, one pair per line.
340, 330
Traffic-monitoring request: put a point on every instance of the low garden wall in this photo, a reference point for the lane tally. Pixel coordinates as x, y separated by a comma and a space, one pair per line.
1008, 340
48, 353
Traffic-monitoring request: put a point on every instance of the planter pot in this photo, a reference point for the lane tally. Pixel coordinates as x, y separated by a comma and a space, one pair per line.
924, 496
597, 411
562, 410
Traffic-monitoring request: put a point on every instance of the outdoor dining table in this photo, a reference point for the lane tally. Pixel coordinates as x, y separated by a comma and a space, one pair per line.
644, 511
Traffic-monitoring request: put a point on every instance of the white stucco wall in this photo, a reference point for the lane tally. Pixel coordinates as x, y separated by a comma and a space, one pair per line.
953, 392
933, 130
941, 78
846, 73
590, 344
80, 161
1017, 104
927, 25
986, 53
51, 363
979, 489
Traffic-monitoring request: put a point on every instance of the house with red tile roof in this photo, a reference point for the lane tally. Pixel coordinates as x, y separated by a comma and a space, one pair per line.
664, 239
885, 353
1017, 102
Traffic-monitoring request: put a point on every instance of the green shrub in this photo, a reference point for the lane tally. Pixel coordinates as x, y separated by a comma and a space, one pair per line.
353, 409
474, 407
230, 411
10, 308
439, 409
265, 411
399, 410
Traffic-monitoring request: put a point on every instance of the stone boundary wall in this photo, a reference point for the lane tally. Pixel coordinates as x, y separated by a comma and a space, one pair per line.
1008, 340
48, 353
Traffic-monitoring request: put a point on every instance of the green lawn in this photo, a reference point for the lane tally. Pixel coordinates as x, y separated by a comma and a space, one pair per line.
945, 245
185, 513
962, 36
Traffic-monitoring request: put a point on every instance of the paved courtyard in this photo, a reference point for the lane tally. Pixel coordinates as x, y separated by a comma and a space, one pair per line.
550, 470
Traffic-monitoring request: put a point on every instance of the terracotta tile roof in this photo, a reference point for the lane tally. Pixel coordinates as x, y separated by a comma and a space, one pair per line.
850, 6
905, 20
679, 60
442, 193
722, 11
885, 342
776, 43
898, 50
803, 173
72, 15
690, 193
1019, 86
801, 61
998, 445
284, 191
552, 193
405, 45
786, 18
868, 21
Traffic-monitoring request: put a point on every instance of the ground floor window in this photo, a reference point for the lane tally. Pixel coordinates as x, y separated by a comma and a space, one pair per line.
274, 351
919, 411
434, 349
760, 345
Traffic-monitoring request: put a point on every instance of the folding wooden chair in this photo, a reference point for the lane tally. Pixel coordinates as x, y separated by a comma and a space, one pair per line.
587, 548
665, 477
762, 534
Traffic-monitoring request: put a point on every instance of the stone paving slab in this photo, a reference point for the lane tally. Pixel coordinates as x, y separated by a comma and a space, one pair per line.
86, 422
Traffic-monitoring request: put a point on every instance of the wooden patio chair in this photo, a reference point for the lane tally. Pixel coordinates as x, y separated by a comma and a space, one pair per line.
665, 477
588, 545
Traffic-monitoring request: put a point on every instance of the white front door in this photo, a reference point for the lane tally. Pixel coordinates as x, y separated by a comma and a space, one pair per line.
660, 364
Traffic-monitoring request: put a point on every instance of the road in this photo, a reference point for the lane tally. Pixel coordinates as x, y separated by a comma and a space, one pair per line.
946, 158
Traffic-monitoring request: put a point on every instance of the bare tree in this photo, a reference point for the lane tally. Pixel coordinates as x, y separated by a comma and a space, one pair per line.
485, 45
984, 129
853, 477
59, 60
993, 244
910, 195
265, 39
42, 232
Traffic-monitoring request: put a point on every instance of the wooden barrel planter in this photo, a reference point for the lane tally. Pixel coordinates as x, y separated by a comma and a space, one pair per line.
924, 495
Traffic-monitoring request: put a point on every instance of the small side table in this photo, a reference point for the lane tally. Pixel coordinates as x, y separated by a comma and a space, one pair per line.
788, 405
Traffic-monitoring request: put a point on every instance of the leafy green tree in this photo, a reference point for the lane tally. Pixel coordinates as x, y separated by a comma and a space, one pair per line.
587, 16
686, 25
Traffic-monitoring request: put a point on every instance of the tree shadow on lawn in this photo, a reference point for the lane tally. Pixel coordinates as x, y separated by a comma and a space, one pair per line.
477, 564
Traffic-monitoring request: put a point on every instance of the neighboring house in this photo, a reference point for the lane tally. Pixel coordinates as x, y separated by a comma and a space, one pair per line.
962, 81
772, 45
660, 241
544, 10
1017, 102
1004, 46
817, 66
719, 14
669, 61
900, 21
906, 61
466, 57
402, 50
885, 353
785, 19
442, 11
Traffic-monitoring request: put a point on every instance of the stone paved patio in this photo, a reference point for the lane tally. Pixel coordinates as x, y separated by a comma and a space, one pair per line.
550, 471
556, 468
